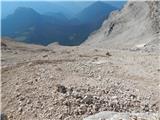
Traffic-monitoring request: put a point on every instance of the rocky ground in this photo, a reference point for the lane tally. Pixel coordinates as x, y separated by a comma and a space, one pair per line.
72, 83
135, 26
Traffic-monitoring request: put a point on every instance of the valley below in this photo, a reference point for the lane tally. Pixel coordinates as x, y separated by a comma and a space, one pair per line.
71, 83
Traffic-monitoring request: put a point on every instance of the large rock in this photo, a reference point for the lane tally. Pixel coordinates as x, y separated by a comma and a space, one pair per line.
108, 115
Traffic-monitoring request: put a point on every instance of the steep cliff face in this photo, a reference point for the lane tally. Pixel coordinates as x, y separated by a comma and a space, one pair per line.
136, 25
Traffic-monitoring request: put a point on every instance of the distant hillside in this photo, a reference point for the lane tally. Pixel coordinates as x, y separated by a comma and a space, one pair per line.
20, 20
28, 25
57, 16
94, 12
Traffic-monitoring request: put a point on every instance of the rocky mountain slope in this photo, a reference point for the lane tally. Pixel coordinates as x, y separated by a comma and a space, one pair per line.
135, 26
72, 83
87, 83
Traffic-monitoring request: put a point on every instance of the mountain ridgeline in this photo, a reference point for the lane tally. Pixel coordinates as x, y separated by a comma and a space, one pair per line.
27, 25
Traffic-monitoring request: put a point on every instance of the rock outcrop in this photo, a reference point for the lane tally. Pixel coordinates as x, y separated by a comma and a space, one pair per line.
108, 115
135, 26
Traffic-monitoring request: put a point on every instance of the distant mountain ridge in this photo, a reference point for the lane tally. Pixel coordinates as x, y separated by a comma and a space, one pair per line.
67, 8
27, 25
97, 10
95, 14
20, 20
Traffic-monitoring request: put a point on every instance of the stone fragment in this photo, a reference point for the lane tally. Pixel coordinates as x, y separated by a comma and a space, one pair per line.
61, 88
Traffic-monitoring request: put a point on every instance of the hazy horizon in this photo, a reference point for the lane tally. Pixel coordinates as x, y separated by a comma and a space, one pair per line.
45, 22
66, 7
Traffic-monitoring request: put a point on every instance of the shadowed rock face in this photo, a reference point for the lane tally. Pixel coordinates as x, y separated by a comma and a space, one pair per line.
137, 23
